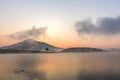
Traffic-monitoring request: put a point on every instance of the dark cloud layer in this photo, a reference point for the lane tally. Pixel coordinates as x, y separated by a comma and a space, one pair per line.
107, 26
34, 33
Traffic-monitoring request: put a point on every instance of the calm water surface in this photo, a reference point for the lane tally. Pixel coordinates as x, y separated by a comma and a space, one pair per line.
60, 66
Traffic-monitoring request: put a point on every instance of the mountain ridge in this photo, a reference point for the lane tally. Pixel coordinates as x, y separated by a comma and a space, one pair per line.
31, 44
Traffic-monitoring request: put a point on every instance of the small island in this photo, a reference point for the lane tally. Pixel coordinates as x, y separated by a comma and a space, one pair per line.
83, 49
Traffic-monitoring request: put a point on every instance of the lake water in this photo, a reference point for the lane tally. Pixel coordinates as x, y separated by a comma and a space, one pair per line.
60, 66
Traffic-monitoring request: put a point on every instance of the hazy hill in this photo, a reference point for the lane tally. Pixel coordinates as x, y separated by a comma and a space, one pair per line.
82, 49
31, 45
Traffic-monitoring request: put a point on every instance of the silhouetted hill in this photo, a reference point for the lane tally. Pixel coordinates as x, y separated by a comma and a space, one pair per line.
82, 49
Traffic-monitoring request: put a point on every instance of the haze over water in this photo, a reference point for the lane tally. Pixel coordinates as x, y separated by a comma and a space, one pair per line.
62, 66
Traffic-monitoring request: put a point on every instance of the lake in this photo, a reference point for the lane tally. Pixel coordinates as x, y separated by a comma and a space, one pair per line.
60, 66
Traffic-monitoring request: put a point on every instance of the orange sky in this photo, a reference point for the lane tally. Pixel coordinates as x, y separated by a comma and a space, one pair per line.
69, 41
60, 17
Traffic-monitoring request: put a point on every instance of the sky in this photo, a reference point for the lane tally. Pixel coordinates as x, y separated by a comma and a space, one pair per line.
63, 23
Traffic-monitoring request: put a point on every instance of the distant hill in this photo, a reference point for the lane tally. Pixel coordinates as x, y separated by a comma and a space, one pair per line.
30, 45
82, 49
113, 50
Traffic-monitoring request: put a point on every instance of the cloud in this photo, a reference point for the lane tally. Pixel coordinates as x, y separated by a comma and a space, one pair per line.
107, 26
34, 33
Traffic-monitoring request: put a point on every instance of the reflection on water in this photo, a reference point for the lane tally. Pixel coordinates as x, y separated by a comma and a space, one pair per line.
26, 66
99, 76
72, 66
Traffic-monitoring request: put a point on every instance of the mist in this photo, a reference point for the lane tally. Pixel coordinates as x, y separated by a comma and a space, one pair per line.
31, 33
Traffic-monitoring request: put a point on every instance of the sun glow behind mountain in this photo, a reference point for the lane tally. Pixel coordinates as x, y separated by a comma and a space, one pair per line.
73, 23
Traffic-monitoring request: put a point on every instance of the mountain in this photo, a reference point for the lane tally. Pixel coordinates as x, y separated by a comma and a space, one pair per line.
31, 45
82, 49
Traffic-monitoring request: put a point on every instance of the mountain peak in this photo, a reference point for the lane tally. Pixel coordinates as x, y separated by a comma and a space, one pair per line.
29, 41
